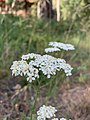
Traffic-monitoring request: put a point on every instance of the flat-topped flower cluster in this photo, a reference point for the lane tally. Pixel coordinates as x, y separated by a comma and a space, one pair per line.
46, 63
57, 46
32, 64
47, 112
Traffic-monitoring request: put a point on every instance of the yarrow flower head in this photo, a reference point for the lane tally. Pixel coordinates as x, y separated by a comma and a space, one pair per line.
57, 46
31, 64
45, 112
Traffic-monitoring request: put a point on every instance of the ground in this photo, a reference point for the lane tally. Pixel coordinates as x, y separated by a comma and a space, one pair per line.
72, 100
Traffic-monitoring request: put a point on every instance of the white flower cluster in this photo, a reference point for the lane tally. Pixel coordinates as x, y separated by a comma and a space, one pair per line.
31, 64
57, 46
23, 68
46, 112
49, 65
